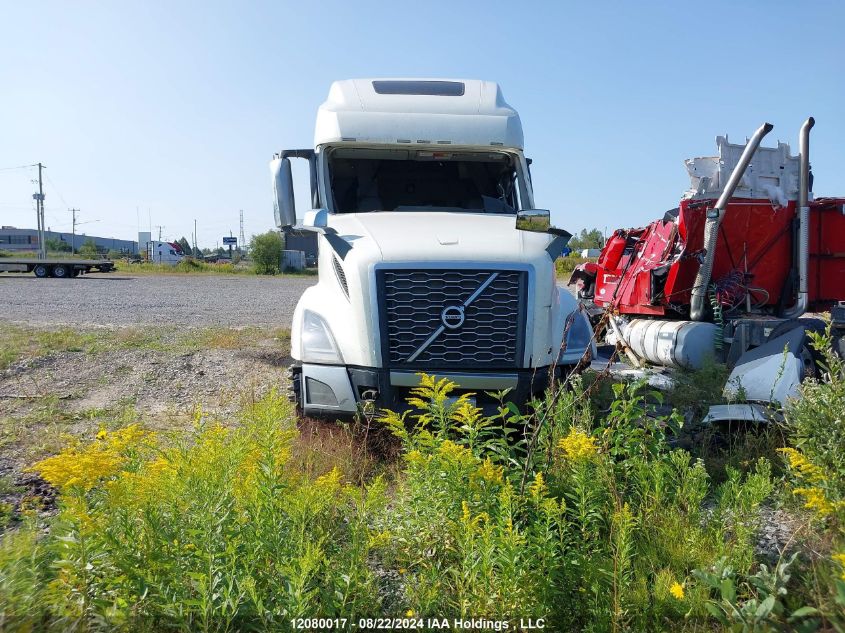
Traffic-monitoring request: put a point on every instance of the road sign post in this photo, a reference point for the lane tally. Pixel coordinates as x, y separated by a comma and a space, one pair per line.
230, 242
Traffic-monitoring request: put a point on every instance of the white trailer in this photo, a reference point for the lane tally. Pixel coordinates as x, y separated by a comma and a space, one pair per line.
55, 267
163, 253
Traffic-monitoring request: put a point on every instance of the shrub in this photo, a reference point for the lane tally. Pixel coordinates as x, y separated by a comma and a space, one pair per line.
816, 462
56, 245
213, 531
565, 265
89, 248
610, 516
591, 524
266, 250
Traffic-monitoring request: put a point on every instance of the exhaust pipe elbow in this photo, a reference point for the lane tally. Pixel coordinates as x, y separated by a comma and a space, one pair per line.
714, 219
802, 300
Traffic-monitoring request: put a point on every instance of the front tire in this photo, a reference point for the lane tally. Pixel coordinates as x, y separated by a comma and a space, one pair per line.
294, 375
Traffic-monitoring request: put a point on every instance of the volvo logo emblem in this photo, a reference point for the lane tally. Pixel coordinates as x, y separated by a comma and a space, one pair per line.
452, 317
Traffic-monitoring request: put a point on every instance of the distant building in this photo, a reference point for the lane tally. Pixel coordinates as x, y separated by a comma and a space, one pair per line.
304, 241
14, 239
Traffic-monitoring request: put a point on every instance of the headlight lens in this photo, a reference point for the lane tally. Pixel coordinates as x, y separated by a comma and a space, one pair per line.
318, 344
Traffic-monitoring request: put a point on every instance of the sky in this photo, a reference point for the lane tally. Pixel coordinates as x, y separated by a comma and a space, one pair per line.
161, 113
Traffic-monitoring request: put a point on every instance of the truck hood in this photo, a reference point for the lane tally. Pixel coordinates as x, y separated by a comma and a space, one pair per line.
403, 236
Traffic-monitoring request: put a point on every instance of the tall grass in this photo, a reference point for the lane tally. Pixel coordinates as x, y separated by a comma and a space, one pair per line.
210, 531
197, 267
593, 524
565, 265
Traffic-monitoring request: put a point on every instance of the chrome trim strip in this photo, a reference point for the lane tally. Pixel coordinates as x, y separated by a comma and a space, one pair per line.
427, 342
464, 381
442, 329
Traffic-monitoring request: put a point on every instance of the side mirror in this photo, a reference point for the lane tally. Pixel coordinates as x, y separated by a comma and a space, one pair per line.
284, 205
536, 220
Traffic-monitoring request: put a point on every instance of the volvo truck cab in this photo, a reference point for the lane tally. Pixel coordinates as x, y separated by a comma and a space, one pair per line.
431, 254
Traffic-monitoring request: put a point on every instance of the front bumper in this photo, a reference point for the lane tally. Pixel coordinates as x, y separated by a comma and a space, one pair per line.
333, 390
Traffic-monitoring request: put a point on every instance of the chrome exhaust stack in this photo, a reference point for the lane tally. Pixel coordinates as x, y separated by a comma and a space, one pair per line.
803, 251
714, 219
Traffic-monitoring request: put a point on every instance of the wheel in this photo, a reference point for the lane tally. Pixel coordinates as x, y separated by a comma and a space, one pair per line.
294, 375
61, 271
41, 270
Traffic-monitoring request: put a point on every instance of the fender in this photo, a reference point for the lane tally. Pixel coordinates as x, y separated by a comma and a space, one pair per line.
579, 333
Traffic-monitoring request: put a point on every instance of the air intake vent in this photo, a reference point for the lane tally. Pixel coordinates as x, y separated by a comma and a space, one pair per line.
341, 276
445, 318
433, 88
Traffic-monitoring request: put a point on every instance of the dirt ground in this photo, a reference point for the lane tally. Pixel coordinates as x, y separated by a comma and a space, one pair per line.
125, 299
58, 383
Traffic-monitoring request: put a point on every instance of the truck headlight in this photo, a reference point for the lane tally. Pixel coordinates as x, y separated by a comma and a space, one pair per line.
318, 344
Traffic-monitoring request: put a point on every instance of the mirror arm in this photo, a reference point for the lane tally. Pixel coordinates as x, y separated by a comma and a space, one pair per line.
296, 153
322, 230
559, 232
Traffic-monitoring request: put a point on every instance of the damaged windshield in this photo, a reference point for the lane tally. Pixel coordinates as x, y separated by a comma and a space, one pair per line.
416, 180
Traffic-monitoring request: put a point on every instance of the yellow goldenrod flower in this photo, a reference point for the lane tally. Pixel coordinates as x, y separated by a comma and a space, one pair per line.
677, 590
465, 513
488, 472
409, 613
471, 524
815, 499
330, 482
538, 488
578, 445
840, 558
83, 467
803, 467
456, 452
378, 539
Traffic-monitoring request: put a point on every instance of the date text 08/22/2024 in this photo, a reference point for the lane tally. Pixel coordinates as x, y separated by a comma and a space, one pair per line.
417, 623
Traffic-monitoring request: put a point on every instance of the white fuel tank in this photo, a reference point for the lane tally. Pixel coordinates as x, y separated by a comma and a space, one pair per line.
684, 344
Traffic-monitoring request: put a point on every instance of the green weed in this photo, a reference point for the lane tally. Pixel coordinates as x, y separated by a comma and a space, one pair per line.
591, 522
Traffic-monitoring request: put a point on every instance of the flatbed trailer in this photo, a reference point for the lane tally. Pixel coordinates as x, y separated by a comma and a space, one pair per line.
61, 268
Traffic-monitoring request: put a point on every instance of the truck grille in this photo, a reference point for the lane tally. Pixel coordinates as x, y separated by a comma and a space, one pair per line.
438, 319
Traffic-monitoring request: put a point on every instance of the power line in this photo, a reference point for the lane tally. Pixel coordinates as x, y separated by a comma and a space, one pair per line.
18, 167
56, 190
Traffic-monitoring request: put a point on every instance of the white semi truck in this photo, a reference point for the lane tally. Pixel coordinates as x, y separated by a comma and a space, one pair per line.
432, 256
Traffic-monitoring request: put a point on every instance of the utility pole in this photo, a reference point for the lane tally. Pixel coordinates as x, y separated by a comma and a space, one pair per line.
242, 240
39, 209
159, 227
195, 236
73, 232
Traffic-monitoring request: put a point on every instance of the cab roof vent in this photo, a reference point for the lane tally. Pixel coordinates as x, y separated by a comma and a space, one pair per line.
430, 88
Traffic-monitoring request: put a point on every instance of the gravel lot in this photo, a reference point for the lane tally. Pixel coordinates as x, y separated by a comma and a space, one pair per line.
120, 299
